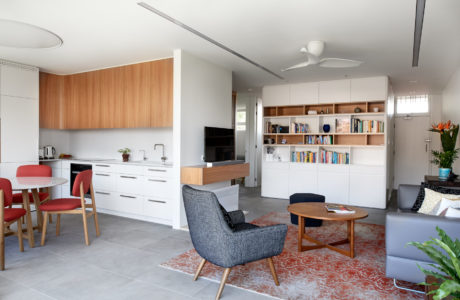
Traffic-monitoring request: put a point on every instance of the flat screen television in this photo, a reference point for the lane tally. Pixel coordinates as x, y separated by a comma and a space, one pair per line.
219, 144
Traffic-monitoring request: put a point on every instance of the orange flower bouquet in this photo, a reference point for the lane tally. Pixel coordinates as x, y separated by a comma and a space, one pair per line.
445, 158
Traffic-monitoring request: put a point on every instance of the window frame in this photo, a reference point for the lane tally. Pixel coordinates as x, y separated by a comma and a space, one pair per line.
426, 96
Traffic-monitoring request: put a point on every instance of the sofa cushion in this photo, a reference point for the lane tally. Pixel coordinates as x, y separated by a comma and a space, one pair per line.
432, 198
443, 205
421, 194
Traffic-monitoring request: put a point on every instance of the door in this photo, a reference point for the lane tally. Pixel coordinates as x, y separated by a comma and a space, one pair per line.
412, 149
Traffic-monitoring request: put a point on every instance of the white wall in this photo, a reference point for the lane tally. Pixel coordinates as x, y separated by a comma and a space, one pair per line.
202, 97
451, 106
104, 143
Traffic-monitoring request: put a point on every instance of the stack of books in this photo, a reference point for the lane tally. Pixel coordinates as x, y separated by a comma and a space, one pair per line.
319, 139
299, 127
303, 157
339, 209
332, 157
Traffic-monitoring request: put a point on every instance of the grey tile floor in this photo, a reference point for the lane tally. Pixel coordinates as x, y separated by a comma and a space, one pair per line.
120, 264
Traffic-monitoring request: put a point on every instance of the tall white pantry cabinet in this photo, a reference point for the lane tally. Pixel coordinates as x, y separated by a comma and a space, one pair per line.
19, 127
364, 180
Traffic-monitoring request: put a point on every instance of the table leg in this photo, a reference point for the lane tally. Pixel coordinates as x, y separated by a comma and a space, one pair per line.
351, 237
30, 229
301, 232
37, 208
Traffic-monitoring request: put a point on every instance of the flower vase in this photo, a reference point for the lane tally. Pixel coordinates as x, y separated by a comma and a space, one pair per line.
444, 174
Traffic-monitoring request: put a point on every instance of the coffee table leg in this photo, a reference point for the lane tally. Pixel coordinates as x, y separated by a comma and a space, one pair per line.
30, 229
301, 233
351, 237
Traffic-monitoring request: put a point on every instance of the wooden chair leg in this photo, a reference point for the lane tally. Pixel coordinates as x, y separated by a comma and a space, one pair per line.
85, 229
200, 267
21, 241
44, 229
2, 245
58, 224
51, 219
96, 223
222, 282
273, 270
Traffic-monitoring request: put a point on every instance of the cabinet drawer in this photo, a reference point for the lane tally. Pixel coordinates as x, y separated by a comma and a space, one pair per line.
104, 199
100, 167
131, 184
158, 171
157, 208
65, 164
157, 186
65, 191
103, 181
127, 203
65, 173
129, 169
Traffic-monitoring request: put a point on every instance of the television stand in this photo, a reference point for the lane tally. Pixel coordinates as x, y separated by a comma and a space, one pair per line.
224, 163
202, 174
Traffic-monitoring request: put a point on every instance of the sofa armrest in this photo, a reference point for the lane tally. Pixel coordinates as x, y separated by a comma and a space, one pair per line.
407, 194
402, 228
237, 216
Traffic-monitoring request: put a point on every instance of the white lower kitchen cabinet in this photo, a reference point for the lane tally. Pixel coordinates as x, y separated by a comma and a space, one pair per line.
275, 180
333, 183
303, 178
156, 207
367, 186
127, 203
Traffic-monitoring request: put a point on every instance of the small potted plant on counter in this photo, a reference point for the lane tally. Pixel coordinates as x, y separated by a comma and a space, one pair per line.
445, 158
125, 153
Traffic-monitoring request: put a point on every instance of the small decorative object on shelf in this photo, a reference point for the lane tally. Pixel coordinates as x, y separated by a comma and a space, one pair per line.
326, 128
445, 158
312, 112
283, 141
125, 153
376, 109
321, 112
357, 110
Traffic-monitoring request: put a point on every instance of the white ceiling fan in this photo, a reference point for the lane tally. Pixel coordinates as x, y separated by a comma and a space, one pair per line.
313, 52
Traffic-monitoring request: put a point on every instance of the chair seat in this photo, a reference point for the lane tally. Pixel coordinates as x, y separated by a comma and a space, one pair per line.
17, 198
61, 204
12, 214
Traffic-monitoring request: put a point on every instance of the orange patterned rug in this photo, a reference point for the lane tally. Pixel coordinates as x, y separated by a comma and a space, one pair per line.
314, 274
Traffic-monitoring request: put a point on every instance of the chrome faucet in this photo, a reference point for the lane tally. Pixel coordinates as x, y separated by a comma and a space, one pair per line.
163, 157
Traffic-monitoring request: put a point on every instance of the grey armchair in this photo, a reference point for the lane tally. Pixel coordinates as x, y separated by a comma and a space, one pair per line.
223, 246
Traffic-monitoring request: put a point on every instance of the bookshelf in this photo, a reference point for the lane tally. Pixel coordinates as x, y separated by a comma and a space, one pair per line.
348, 162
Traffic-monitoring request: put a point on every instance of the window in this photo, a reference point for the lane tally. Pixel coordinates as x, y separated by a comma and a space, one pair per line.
412, 104
241, 120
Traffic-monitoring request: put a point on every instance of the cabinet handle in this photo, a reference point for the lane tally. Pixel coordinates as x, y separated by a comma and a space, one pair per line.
157, 201
157, 180
102, 193
131, 197
157, 170
98, 174
130, 177
106, 166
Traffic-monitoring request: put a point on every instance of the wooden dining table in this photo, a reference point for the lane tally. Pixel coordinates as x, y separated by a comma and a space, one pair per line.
24, 184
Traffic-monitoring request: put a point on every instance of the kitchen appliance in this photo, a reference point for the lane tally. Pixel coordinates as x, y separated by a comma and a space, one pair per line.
49, 152
41, 153
75, 169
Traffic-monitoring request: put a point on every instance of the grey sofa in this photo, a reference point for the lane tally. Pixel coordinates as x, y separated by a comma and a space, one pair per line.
405, 226
227, 247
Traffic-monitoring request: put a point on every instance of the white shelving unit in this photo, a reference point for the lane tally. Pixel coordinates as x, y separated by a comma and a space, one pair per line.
361, 182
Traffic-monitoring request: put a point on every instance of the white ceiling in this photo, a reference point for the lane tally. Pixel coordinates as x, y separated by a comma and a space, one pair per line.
106, 33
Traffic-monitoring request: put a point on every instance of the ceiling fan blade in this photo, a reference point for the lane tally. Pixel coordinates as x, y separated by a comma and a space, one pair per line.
339, 63
301, 65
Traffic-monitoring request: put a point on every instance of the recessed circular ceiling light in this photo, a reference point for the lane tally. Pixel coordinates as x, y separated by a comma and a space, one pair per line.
16, 34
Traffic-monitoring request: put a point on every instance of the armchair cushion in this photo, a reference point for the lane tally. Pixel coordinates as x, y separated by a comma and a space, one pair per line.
237, 217
227, 217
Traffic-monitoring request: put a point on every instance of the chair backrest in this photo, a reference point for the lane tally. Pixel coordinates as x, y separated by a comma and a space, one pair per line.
206, 224
5, 186
84, 177
34, 171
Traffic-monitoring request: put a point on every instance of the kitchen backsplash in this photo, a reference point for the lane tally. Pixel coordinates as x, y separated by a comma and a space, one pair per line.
104, 143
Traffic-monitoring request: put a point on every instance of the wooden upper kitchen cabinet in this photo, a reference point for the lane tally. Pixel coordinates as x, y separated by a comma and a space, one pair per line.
132, 96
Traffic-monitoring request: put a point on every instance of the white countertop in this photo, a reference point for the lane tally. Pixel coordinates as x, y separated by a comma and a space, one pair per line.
114, 161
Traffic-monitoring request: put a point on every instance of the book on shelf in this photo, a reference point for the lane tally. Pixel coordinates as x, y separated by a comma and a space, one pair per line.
332, 157
366, 126
319, 139
303, 156
339, 209
342, 125
299, 128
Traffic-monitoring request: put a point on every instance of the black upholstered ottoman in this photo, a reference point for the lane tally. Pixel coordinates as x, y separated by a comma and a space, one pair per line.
306, 197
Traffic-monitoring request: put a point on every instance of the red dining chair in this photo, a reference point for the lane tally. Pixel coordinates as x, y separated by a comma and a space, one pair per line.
83, 184
34, 171
7, 217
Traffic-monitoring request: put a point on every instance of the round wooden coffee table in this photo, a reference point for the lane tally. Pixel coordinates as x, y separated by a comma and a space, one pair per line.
316, 210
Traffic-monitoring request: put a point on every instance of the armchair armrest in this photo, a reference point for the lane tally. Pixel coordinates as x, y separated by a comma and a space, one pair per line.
402, 228
407, 194
257, 243
237, 216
